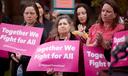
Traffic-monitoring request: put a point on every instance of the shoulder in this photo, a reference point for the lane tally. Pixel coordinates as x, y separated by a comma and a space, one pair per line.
94, 26
50, 39
120, 27
38, 25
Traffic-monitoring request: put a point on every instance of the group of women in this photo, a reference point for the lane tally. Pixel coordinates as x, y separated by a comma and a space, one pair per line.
64, 28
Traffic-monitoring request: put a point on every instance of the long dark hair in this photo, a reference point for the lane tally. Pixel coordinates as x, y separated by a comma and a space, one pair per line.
76, 20
43, 7
115, 7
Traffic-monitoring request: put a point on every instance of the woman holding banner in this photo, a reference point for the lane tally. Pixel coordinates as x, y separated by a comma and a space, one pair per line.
31, 18
62, 31
101, 33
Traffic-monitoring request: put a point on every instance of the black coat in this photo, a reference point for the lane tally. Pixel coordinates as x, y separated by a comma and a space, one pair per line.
25, 59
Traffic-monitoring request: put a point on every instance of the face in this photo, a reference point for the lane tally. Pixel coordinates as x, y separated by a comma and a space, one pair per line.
54, 16
63, 26
40, 9
82, 15
30, 15
47, 15
107, 13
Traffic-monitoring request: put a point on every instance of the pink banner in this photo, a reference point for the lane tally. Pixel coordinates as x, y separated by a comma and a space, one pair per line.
19, 39
119, 39
60, 55
94, 61
3, 54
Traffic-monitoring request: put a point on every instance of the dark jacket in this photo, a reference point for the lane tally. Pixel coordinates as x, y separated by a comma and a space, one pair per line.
47, 25
24, 60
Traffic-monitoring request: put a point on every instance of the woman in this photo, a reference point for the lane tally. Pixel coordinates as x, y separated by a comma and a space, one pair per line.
31, 18
81, 21
62, 31
46, 24
41, 12
101, 33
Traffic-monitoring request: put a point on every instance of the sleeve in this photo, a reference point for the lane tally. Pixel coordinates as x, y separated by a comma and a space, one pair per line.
49, 39
120, 27
92, 28
24, 61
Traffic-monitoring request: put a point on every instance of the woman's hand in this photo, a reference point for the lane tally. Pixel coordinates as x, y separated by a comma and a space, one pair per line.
100, 41
106, 44
99, 38
81, 28
14, 58
18, 55
50, 71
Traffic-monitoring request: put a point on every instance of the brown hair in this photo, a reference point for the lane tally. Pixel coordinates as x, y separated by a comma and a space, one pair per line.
33, 4
116, 11
76, 20
44, 12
